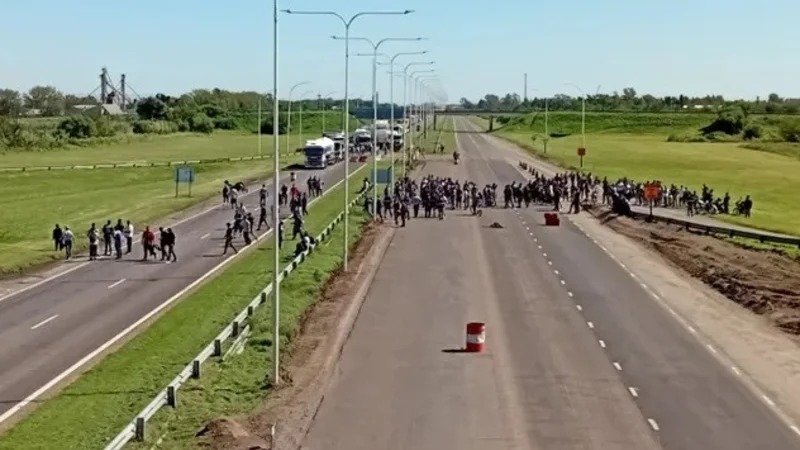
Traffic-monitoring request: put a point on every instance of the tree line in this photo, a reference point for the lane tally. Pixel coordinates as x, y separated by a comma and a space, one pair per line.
630, 100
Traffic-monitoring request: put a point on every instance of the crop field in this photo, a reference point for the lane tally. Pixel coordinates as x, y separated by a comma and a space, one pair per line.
627, 145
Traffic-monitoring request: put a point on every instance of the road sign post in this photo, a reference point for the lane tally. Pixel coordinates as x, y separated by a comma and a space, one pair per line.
651, 194
184, 174
581, 154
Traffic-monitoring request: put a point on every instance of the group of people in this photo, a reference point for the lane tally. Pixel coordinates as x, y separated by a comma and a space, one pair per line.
117, 240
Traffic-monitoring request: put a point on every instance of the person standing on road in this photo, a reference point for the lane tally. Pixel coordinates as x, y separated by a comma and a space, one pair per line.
262, 194
229, 240
128, 232
108, 232
93, 238
247, 226
66, 241
148, 243
297, 224
262, 218
118, 242
168, 245
304, 203
58, 233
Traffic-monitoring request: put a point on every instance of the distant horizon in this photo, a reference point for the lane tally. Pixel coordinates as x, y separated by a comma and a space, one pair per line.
680, 47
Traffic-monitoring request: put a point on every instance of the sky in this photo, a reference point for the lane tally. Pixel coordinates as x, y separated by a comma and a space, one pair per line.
736, 48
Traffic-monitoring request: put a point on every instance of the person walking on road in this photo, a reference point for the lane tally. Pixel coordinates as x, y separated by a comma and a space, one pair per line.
262, 218
58, 234
148, 243
66, 241
118, 242
229, 240
168, 245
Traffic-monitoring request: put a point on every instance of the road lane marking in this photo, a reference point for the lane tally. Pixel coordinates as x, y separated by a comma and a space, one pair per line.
602, 343
555, 271
535, 240
113, 285
563, 282
691, 329
591, 325
13, 410
653, 424
618, 366
531, 235
205, 235
569, 293
44, 322
795, 429
544, 254
623, 266
540, 247
550, 263
579, 307
633, 392
768, 400
736, 370
711, 347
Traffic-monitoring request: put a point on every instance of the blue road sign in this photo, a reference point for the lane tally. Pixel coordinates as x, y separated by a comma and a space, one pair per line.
184, 175
384, 176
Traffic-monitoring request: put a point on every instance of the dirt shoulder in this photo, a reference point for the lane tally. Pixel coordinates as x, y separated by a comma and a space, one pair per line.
767, 282
311, 358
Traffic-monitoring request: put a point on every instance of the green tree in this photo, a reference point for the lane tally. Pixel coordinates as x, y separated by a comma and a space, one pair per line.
152, 108
47, 99
10, 102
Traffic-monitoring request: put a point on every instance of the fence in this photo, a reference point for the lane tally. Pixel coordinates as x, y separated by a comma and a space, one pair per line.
134, 164
708, 229
236, 329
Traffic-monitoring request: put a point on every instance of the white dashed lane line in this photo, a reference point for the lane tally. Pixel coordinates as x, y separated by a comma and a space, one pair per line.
44, 322
205, 235
618, 366
602, 343
736, 370
591, 325
634, 392
653, 424
579, 307
768, 400
115, 284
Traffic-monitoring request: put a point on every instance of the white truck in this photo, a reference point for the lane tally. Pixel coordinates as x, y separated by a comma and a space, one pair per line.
319, 153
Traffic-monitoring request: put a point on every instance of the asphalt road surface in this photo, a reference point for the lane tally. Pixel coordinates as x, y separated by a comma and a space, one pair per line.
578, 355
47, 329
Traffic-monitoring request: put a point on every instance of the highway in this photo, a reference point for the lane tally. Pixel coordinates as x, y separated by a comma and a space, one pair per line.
55, 325
579, 355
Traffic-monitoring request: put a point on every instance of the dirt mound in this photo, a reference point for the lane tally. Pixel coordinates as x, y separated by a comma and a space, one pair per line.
765, 281
290, 406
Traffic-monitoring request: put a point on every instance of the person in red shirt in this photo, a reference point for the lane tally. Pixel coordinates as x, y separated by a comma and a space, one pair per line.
148, 242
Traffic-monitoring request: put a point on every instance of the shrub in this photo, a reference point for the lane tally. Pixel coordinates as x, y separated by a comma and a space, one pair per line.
729, 121
77, 127
201, 123
154, 127
109, 126
752, 131
790, 131
225, 123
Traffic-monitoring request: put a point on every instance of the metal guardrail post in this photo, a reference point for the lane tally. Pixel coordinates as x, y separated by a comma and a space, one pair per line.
235, 328
196, 369
263, 298
250, 310
172, 399
217, 347
139, 431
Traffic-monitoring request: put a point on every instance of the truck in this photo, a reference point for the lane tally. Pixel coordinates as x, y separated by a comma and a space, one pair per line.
319, 153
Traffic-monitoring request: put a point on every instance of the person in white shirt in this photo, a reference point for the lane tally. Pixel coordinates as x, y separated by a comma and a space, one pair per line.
128, 236
67, 238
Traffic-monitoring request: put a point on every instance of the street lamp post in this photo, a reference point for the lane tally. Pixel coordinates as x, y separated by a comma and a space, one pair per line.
276, 185
583, 117
375, 47
405, 74
323, 107
391, 100
289, 118
413, 98
415, 94
300, 131
347, 23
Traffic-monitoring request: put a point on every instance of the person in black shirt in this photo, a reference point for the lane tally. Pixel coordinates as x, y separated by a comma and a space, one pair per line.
58, 233
108, 233
229, 239
93, 238
168, 244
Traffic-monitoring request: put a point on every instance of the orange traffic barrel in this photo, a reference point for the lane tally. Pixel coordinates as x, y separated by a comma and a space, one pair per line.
476, 336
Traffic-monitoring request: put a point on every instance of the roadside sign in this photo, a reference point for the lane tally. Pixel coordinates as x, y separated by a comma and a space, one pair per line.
184, 174
581, 151
651, 191
384, 176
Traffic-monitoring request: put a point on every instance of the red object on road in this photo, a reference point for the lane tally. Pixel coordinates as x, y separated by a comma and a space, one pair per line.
551, 219
476, 336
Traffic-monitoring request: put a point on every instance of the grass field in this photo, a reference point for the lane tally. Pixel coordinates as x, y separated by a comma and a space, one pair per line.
175, 147
639, 150
108, 396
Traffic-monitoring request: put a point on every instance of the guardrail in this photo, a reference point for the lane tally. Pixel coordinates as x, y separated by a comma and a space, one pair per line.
707, 229
235, 329
136, 164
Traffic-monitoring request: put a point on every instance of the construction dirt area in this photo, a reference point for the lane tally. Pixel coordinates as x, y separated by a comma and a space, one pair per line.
766, 282
306, 364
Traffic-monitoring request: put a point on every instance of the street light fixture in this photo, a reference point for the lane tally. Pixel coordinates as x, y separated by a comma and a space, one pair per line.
414, 106
424, 95
322, 97
405, 74
276, 185
375, 47
289, 118
300, 131
347, 22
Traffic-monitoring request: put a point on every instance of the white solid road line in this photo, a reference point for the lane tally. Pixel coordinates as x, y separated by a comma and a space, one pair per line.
653, 424
115, 284
44, 322
102, 348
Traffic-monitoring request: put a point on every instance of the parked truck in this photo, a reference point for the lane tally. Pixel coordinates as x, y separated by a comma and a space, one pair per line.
319, 153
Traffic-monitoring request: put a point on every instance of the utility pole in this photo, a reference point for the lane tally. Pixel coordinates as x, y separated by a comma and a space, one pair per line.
525, 95
103, 86
122, 91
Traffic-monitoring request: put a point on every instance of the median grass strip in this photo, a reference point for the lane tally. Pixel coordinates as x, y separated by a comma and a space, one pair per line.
95, 408
239, 384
